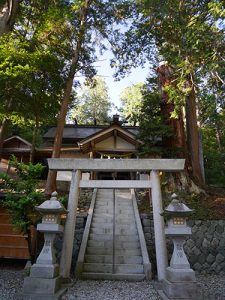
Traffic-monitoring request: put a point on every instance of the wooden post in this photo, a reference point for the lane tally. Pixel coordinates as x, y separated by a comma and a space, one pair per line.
67, 250
160, 240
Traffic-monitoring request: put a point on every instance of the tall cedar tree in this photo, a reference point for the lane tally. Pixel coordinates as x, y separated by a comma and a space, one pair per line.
94, 22
186, 35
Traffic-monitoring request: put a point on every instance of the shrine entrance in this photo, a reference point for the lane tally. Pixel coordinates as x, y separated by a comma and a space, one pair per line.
115, 165
114, 175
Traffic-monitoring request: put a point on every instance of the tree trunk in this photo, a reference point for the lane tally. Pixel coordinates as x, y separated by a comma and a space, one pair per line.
177, 139
3, 129
182, 182
4, 126
8, 12
218, 137
193, 135
34, 138
51, 180
30, 243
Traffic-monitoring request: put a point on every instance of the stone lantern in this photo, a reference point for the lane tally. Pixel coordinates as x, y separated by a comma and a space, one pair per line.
44, 281
180, 282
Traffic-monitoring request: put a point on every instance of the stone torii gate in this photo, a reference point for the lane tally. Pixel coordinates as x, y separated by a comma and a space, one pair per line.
115, 165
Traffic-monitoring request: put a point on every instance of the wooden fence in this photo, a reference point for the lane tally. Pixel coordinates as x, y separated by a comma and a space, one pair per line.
13, 243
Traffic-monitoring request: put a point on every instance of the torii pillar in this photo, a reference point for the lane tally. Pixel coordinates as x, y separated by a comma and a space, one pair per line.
159, 226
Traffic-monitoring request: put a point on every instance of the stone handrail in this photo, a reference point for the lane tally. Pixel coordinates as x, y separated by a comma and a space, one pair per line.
80, 260
144, 251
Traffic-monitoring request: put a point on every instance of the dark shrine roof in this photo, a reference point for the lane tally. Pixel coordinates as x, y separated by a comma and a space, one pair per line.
80, 132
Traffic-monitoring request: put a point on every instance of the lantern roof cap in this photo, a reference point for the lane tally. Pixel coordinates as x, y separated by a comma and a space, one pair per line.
176, 207
53, 205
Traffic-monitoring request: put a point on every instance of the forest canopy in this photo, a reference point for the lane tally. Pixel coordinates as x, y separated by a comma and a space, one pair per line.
46, 45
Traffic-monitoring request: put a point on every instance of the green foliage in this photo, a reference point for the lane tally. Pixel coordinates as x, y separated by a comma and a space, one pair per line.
35, 61
63, 199
186, 34
212, 120
131, 99
31, 80
152, 128
189, 35
2, 3
93, 103
22, 193
33, 65
26, 132
200, 207
51, 42
214, 157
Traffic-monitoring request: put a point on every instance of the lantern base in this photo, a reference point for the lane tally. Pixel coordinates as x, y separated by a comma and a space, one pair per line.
44, 271
181, 290
180, 275
42, 288
56, 296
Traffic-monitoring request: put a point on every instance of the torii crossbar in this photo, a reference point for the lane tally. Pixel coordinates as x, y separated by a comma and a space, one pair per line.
119, 165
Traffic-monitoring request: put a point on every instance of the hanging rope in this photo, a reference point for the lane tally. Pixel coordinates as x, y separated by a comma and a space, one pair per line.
114, 155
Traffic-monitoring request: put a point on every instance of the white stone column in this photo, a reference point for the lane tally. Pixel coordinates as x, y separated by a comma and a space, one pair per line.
160, 240
67, 249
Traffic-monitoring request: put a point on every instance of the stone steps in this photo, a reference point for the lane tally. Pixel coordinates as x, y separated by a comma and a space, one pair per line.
119, 231
107, 215
125, 221
109, 237
98, 258
109, 251
109, 244
119, 259
110, 276
119, 268
108, 226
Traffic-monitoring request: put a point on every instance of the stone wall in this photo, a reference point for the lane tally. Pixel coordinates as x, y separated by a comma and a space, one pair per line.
205, 249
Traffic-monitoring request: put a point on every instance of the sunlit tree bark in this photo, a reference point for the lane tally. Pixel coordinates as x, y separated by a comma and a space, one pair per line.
177, 139
8, 12
51, 180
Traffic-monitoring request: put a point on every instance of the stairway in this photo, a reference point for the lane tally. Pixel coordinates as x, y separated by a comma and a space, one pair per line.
108, 258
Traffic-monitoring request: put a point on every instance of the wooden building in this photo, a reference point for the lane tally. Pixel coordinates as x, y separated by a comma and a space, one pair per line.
79, 141
17, 146
111, 141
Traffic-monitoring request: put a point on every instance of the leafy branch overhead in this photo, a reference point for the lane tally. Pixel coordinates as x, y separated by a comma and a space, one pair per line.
49, 45
188, 36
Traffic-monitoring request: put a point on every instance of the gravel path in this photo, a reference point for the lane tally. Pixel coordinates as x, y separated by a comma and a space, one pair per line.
11, 281
111, 290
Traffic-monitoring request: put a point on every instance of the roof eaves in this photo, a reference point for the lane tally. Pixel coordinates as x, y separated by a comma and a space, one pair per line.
19, 138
